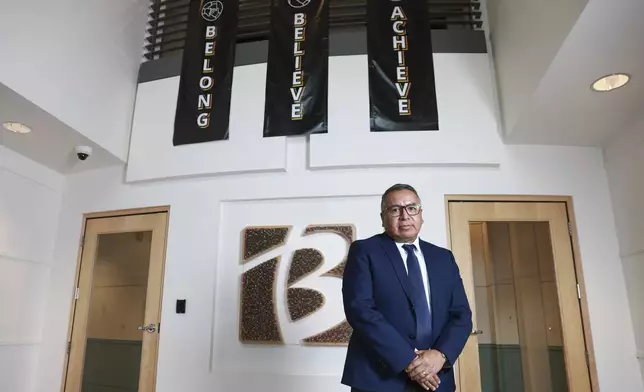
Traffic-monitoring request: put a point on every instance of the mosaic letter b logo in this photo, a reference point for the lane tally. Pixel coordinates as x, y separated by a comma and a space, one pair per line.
258, 319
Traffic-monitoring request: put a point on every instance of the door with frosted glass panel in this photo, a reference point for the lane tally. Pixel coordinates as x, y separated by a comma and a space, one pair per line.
116, 317
517, 264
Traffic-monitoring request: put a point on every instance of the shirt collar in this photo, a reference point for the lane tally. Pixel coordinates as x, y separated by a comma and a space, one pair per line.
415, 243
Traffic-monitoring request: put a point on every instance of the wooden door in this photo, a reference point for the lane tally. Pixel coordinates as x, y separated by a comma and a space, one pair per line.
516, 260
116, 317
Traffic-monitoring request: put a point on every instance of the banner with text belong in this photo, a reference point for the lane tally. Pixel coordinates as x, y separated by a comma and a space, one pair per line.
203, 105
297, 69
402, 91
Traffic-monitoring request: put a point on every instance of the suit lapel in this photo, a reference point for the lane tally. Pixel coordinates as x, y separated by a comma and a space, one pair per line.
396, 261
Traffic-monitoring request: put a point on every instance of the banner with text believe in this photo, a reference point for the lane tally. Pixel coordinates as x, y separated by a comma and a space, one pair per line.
297, 69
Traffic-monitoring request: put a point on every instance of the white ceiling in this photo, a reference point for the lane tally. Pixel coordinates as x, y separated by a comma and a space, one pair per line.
607, 38
51, 142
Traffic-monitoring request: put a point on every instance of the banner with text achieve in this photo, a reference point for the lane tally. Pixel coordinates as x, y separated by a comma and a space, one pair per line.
297, 69
401, 68
203, 105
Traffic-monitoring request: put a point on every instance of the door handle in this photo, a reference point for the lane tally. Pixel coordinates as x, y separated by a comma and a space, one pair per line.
476, 332
151, 328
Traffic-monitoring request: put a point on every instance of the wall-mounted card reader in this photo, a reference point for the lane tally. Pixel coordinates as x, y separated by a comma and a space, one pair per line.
181, 306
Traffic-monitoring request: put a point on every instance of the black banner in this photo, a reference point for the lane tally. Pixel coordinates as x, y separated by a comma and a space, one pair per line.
203, 105
297, 69
401, 68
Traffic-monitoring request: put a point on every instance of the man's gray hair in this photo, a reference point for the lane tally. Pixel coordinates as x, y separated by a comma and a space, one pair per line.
395, 188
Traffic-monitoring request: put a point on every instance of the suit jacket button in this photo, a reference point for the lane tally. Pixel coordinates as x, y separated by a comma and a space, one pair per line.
413, 309
412, 337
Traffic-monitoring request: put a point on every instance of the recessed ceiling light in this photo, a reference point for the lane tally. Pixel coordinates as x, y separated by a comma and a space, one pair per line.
610, 82
16, 127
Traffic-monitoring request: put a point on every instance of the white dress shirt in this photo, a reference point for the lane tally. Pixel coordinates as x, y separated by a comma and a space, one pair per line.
421, 262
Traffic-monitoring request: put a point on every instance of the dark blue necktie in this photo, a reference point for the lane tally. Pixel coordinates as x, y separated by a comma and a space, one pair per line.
423, 313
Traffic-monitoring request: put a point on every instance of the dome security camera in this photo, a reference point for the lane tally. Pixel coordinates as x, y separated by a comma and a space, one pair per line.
83, 152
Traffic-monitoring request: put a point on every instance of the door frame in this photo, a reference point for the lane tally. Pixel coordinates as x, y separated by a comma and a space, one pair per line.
79, 256
567, 200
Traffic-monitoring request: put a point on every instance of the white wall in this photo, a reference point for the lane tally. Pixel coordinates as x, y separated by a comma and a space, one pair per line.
193, 257
525, 37
78, 60
30, 197
624, 161
331, 178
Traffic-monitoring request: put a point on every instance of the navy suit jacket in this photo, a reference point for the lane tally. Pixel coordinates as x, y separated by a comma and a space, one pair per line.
377, 303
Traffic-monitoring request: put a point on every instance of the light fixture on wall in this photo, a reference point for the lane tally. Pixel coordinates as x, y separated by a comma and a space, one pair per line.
16, 127
610, 82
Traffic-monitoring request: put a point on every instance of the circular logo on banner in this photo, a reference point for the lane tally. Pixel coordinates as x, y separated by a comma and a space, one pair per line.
298, 3
212, 10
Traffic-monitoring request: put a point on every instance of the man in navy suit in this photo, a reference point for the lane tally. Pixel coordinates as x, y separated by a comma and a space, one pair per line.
405, 300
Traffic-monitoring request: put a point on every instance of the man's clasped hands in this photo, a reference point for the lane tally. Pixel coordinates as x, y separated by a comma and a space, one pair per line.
425, 367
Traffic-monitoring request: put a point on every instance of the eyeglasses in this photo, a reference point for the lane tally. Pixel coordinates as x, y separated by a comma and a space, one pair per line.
412, 209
